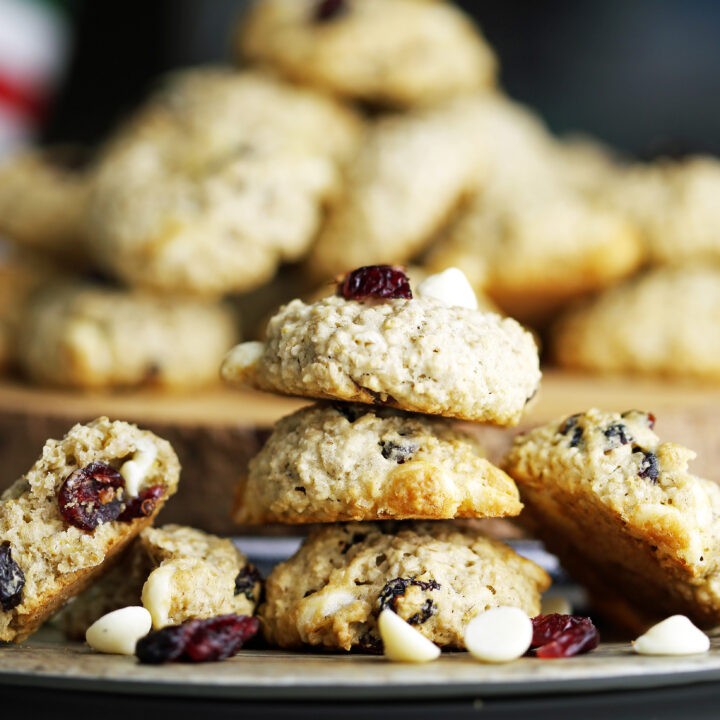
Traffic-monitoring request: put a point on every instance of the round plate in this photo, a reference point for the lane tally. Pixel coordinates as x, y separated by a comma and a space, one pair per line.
274, 674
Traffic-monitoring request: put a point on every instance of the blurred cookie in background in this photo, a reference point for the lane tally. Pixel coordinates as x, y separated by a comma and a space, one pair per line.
21, 275
675, 204
219, 179
665, 322
408, 177
84, 336
43, 196
399, 53
539, 250
533, 235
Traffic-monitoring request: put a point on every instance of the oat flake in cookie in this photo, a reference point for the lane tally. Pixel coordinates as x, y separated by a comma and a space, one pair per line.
623, 514
339, 461
435, 576
83, 501
418, 354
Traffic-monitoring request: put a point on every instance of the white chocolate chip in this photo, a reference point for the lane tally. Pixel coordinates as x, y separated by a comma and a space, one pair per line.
118, 631
555, 604
135, 471
403, 643
241, 357
156, 595
499, 635
450, 287
675, 635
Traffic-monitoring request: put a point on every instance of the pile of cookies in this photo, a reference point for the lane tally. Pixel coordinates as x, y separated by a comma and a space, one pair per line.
353, 133
393, 366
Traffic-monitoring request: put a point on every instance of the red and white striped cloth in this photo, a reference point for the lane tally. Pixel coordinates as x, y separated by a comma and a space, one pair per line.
34, 47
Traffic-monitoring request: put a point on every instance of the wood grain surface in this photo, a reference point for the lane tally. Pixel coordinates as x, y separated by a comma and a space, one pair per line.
216, 432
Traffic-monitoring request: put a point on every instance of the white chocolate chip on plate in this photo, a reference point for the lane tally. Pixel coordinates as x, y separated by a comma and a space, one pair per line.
450, 287
403, 643
499, 635
675, 635
118, 631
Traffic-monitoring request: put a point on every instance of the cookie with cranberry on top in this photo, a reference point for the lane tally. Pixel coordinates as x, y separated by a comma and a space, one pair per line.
375, 342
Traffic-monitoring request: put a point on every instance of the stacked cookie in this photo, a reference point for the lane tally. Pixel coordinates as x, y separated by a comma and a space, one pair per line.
395, 368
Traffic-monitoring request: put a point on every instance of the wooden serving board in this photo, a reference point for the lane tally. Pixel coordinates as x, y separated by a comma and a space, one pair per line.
280, 675
216, 432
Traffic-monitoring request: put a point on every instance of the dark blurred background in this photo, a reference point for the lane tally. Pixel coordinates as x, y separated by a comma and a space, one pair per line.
642, 75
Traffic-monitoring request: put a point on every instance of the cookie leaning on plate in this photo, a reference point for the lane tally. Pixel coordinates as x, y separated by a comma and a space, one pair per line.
419, 354
86, 336
436, 576
337, 461
84, 500
188, 574
622, 513
396, 52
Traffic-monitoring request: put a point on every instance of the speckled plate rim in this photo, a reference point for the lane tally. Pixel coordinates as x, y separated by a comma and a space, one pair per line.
277, 675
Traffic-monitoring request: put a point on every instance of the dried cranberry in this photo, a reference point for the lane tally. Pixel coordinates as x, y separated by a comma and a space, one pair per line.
562, 636
370, 644
619, 431
426, 612
246, 580
569, 424
352, 412
144, 504
396, 588
395, 451
197, 640
12, 579
91, 496
375, 281
328, 10
649, 417
649, 466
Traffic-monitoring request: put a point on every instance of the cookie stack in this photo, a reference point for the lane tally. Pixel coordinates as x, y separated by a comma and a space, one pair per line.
395, 368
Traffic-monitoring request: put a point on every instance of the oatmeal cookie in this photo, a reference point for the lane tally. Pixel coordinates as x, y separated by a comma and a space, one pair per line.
331, 462
417, 354
408, 177
674, 203
209, 577
436, 576
43, 197
665, 322
391, 52
84, 500
20, 278
538, 250
219, 179
84, 336
621, 511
